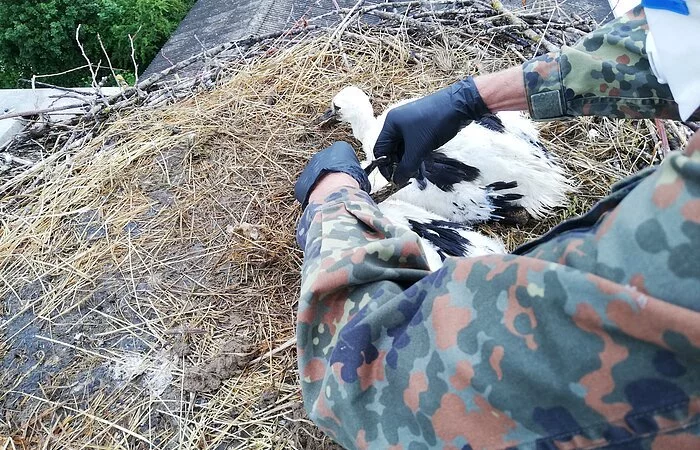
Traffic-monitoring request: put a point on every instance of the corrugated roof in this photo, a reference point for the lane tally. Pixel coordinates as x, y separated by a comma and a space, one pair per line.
214, 22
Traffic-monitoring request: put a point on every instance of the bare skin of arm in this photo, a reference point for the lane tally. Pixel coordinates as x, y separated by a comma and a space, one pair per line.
503, 91
329, 184
694, 143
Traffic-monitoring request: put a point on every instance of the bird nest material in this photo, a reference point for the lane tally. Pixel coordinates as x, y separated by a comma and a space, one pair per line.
148, 269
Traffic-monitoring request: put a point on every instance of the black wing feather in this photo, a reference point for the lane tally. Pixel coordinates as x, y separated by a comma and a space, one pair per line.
492, 122
444, 235
444, 172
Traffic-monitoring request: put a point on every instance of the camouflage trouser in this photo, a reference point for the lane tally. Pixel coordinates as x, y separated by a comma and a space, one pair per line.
589, 337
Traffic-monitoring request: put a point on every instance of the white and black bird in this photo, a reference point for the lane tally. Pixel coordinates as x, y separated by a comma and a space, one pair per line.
491, 167
439, 237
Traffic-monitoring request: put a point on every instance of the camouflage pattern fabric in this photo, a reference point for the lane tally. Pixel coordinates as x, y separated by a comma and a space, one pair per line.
605, 74
589, 339
586, 338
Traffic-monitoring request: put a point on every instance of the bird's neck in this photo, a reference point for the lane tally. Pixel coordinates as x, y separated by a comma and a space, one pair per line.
364, 129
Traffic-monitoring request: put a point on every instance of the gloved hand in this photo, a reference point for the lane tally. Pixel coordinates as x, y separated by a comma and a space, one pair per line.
415, 129
339, 157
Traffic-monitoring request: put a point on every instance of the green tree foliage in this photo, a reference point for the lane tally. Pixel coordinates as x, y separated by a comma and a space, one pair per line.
151, 21
38, 37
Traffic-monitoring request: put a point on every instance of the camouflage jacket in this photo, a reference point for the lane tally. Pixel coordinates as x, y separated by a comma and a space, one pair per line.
586, 338
607, 73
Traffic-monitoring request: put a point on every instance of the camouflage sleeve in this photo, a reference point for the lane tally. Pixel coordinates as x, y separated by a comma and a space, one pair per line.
567, 346
607, 73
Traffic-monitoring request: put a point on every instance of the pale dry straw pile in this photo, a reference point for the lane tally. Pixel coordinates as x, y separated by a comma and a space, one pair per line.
149, 277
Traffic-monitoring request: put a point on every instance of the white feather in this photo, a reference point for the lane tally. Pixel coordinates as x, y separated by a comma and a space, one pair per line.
399, 212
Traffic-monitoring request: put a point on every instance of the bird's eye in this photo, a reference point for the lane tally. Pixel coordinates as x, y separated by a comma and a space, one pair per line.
336, 108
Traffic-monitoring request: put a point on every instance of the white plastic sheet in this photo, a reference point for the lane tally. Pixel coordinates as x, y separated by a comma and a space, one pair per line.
673, 47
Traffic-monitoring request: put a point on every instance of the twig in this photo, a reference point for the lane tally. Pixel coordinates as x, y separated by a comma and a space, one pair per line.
346, 21
662, 134
58, 74
53, 86
74, 347
133, 56
281, 348
401, 18
520, 55
16, 159
544, 32
89, 63
109, 62
527, 32
679, 135
36, 112
184, 330
500, 28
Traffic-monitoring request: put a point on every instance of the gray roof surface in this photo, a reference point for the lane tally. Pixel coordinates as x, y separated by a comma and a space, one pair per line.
214, 22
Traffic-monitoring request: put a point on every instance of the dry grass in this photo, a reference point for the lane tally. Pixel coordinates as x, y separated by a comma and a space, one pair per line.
160, 255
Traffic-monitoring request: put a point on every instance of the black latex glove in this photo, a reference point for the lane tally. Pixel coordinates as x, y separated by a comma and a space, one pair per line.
415, 129
339, 157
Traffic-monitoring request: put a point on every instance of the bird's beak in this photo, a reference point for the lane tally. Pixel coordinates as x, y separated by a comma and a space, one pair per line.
327, 118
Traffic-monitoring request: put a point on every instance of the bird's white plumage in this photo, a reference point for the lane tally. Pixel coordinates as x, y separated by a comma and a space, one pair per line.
467, 203
399, 212
500, 157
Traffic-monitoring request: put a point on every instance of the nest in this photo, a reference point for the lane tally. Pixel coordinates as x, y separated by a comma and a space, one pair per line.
148, 268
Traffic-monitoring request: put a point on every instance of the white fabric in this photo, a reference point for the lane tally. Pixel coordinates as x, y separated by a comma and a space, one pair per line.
620, 7
673, 48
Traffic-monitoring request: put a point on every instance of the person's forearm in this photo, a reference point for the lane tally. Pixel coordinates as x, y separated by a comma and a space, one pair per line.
355, 262
607, 74
503, 91
583, 79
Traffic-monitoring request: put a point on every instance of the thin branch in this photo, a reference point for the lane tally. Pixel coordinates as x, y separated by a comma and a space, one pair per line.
53, 86
109, 61
290, 342
58, 74
527, 32
36, 112
89, 63
16, 159
346, 21
133, 55
544, 32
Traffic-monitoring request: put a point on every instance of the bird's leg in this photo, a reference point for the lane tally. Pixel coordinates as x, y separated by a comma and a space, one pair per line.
387, 191
422, 179
391, 188
664, 138
381, 161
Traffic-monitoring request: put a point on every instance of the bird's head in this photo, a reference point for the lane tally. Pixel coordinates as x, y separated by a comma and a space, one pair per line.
350, 105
